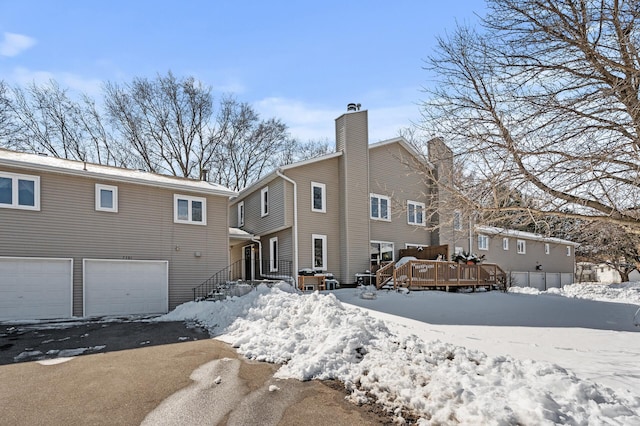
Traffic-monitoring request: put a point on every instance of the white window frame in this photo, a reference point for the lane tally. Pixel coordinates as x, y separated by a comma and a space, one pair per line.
323, 195
190, 199
416, 246
114, 198
483, 242
273, 254
568, 250
505, 244
547, 248
379, 198
15, 192
323, 238
521, 247
457, 220
240, 214
416, 205
264, 201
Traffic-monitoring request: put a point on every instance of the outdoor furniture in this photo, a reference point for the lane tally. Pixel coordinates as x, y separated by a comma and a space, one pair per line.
311, 282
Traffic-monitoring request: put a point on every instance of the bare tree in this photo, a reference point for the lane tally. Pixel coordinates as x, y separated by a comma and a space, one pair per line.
6, 122
543, 101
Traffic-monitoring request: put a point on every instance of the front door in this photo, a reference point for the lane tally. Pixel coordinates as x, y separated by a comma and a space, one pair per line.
248, 263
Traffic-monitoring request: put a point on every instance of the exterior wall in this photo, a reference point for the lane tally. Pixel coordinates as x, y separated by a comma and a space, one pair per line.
509, 260
442, 158
285, 246
352, 138
394, 173
253, 220
67, 225
310, 222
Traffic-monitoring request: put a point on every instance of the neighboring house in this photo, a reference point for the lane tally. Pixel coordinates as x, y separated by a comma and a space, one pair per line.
343, 213
80, 239
531, 260
601, 273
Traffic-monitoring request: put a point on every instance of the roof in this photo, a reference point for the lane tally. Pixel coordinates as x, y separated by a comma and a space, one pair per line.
38, 162
406, 145
241, 234
524, 235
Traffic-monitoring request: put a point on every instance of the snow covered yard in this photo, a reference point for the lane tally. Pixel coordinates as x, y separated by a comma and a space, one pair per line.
483, 358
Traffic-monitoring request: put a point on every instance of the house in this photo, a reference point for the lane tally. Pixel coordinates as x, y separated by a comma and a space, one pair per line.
530, 260
343, 213
81, 239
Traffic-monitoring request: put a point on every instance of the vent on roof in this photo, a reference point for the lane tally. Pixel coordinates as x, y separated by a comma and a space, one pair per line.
43, 154
353, 107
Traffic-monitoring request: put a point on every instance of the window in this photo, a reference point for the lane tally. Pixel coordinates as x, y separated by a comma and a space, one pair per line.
521, 246
568, 250
189, 209
264, 201
319, 251
505, 244
415, 213
380, 207
19, 191
483, 242
458, 250
457, 221
106, 198
318, 197
273, 254
546, 248
381, 252
240, 214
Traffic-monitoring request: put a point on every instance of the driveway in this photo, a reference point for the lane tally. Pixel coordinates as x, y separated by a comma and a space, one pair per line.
156, 373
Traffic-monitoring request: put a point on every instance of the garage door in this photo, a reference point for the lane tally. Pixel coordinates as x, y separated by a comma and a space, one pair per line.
125, 287
35, 288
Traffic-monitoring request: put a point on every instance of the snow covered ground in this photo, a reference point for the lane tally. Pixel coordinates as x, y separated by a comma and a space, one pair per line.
463, 358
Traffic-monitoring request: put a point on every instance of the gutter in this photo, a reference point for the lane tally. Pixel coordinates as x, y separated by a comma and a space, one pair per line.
295, 222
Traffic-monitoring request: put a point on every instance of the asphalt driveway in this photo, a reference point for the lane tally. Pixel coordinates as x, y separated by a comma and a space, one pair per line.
46, 340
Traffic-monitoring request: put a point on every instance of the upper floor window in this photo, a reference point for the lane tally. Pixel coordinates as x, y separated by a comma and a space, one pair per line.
568, 250
415, 213
505, 244
318, 197
546, 248
521, 246
264, 201
273, 254
188, 209
19, 191
240, 214
106, 198
380, 207
457, 220
483, 242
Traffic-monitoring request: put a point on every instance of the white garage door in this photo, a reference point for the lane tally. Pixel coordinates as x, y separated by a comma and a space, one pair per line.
35, 288
125, 287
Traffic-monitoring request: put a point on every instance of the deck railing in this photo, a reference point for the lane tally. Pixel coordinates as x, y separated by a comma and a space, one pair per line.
416, 274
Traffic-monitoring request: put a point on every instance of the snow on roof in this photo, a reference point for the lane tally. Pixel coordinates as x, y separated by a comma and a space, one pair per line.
240, 234
79, 168
522, 234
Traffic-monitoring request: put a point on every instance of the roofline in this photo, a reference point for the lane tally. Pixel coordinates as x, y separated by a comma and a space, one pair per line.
311, 161
522, 234
406, 145
113, 177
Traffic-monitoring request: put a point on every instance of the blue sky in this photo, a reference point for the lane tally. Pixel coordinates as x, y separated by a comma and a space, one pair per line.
299, 61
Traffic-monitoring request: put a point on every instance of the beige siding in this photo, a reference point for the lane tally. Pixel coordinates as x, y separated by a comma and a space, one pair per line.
310, 222
394, 173
254, 222
68, 226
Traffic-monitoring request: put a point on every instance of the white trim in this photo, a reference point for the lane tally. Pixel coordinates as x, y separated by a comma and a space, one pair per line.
568, 250
522, 235
457, 220
323, 195
379, 217
264, 201
323, 238
483, 242
273, 260
393, 249
547, 248
505, 244
240, 210
15, 192
114, 198
521, 247
190, 200
411, 245
416, 205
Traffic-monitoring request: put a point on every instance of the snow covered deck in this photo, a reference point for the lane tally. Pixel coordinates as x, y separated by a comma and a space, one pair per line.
423, 274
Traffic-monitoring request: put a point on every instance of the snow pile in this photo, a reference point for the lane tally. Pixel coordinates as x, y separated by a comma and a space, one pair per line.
316, 337
620, 293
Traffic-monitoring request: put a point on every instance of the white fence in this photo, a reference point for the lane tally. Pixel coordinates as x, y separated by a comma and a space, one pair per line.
540, 280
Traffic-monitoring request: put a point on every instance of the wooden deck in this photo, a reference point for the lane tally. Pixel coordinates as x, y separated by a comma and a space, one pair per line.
428, 274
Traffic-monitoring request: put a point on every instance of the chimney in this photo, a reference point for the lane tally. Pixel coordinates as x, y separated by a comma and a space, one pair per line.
203, 174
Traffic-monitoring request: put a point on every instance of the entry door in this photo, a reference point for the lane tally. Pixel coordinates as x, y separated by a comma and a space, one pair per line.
248, 263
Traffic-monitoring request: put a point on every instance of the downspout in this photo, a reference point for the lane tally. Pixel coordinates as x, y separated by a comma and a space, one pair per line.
295, 224
255, 240
470, 235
